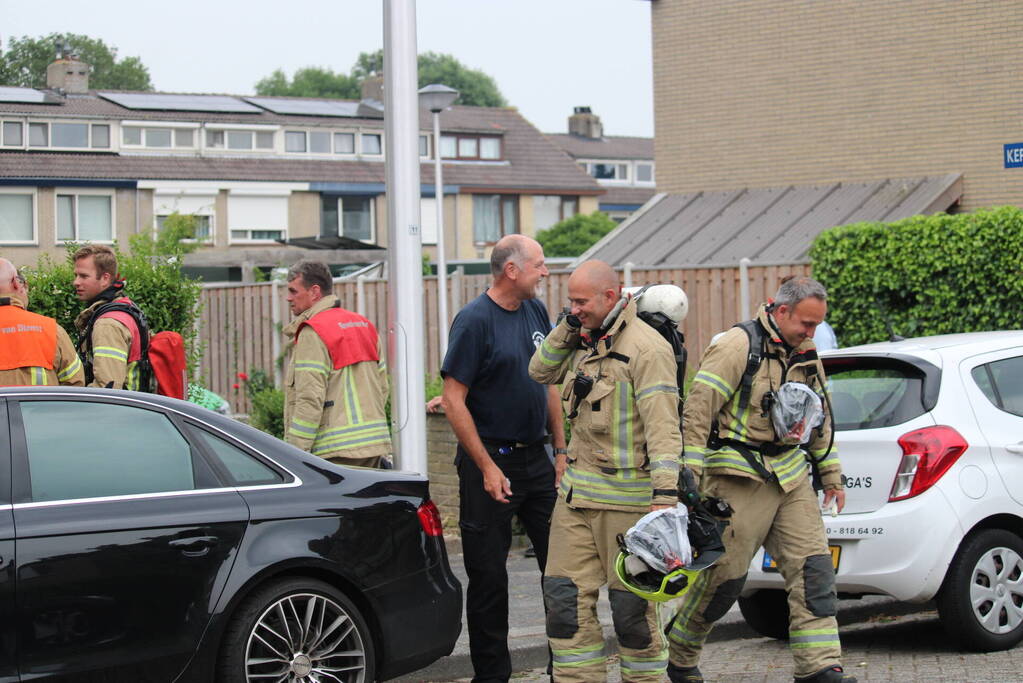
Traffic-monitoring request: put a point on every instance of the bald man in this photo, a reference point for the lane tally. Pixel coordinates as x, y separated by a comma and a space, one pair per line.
34, 349
621, 396
502, 420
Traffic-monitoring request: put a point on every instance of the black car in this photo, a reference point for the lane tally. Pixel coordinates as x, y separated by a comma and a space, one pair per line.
147, 539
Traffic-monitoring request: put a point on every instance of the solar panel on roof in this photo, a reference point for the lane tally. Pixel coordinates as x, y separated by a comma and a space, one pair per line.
160, 102
27, 95
307, 107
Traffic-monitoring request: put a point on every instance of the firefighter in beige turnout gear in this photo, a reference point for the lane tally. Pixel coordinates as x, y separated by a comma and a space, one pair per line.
621, 395
335, 386
766, 480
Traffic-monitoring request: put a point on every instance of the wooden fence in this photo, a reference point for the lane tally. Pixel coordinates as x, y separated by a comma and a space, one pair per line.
240, 324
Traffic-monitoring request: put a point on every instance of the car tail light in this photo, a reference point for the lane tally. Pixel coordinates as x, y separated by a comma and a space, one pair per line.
926, 455
429, 518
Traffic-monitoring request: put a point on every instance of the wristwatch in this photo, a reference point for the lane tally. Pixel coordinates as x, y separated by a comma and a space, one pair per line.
560, 451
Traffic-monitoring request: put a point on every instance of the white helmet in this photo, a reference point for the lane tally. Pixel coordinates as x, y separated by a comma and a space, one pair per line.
667, 299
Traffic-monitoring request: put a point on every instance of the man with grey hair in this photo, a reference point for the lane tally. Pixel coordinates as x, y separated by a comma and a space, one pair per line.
335, 386
34, 349
731, 439
502, 420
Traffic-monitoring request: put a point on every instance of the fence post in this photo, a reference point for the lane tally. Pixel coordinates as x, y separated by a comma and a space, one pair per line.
275, 339
360, 295
629, 265
744, 312
456, 288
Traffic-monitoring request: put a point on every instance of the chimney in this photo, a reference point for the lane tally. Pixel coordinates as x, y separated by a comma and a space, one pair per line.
373, 88
585, 123
67, 73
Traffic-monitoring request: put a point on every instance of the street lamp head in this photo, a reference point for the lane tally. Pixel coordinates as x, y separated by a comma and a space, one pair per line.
437, 97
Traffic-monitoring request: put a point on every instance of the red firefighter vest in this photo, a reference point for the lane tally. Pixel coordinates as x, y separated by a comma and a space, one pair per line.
135, 352
348, 336
26, 339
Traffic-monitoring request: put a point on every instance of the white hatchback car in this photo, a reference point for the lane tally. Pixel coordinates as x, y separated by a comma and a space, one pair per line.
930, 436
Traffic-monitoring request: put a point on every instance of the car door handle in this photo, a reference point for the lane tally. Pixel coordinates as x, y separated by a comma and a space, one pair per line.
195, 546
1016, 448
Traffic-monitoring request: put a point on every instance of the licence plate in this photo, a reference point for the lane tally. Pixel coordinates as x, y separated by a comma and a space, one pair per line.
770, 565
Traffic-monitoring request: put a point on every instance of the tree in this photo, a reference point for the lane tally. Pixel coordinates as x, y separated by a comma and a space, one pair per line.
25, 60
476, 88
574, 235
310, 81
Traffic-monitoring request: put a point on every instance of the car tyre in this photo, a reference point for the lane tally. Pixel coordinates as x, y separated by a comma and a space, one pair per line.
981, 599
293, 629
767, 613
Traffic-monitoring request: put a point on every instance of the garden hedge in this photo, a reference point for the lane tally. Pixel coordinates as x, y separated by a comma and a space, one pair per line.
926, 275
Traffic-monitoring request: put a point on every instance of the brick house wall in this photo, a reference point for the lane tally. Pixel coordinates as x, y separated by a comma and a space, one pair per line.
440, 453
764, 93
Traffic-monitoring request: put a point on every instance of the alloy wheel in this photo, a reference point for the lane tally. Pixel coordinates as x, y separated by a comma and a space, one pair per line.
305, 638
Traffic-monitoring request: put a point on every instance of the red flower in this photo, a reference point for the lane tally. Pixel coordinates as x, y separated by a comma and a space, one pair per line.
236, 386
243, 377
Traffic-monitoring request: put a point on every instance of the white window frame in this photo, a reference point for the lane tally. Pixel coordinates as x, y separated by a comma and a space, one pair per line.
231, 239
34, 193
377, 133
478, 139
617, 163
78, 192
372, 218
26, 124
653, 173
173, 125
208, 210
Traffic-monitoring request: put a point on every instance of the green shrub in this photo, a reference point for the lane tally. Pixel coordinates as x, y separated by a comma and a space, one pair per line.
925, 275
573, 236
267, 412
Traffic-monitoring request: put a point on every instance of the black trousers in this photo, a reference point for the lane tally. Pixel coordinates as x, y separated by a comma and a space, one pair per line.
486, 539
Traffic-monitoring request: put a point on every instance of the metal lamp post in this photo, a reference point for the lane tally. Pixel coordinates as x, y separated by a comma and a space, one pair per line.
437, 98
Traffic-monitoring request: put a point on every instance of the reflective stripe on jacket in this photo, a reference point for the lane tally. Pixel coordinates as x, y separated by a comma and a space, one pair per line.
625, 438
333, 412
714, 394
112, 365
35, 350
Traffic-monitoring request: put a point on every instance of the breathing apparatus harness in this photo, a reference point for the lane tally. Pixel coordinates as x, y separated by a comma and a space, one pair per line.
758, 352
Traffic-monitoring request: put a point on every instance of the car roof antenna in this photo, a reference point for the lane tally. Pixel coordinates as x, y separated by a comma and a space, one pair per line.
892, 337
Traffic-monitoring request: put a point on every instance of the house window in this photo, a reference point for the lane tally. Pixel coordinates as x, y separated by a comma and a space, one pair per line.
264, 139
348, 216
85, 217
100, 135
38, 135
199, 207
494, 216
608, 171
13, 136
70, 134
215, 139
474, 147
319, 142
239, 139
371, 144
162, 138
644, 173
344, 143
549, 210
257, 218
294, 141
17, 218
424, 146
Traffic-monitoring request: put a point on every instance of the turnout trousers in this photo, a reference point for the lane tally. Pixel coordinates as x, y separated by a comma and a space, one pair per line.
486, 538
790, 527
581, 559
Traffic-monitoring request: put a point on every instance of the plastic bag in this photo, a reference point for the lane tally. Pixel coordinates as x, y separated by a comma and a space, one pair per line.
661, 539
797, 410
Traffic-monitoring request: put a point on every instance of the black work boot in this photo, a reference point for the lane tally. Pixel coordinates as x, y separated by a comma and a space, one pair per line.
684, 674
832, 674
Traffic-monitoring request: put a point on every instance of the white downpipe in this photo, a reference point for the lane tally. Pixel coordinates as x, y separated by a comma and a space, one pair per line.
405, 294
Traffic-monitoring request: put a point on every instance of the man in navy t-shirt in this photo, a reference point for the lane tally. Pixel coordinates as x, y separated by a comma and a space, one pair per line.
501, 418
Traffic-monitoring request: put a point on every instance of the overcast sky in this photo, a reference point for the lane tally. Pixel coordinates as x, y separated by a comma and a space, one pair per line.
547, 56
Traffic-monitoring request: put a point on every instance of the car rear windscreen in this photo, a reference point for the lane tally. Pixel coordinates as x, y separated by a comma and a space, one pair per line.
867, 393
